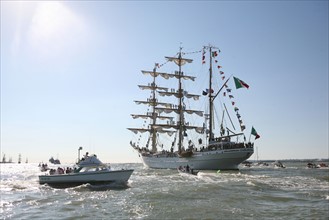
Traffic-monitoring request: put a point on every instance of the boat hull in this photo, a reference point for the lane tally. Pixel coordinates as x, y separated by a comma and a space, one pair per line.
93, 178
207, 160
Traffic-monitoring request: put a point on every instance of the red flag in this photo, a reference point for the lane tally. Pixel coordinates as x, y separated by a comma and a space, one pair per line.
214, 54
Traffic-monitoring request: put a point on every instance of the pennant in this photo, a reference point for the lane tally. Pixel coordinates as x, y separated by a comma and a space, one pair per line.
203, 56
204, 93
221, 72
207, 90
228, 90
219, 67
233, 103
236, 109
223, 77
224, 94
254, 132
214, 54
242, 127
231, 96
216, 61
240, 84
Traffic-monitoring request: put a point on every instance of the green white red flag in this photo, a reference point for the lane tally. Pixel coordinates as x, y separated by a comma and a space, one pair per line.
254, 132
239, 83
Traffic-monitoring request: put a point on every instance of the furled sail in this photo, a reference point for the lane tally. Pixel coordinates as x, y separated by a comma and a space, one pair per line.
152, 87
158, 129
170, 110
152, 103
199, 130
176, 94
141, 130
179, 61
134, 116
168, 75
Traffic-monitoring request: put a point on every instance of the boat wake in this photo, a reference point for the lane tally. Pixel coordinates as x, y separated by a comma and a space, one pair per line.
109, 186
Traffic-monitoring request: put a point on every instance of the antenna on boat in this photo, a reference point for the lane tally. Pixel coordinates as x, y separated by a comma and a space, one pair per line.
80, 148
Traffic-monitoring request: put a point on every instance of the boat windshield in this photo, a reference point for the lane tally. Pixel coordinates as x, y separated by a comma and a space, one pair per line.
91, 169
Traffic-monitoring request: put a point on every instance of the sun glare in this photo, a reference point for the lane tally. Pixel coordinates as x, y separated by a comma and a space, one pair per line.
54, 27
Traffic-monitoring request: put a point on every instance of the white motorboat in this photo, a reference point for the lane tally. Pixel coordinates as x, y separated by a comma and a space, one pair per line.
90, 170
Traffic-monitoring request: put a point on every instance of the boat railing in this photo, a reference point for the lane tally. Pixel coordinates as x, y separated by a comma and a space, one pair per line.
226, 146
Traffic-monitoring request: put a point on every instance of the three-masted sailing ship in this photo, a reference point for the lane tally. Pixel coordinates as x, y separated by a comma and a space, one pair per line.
205, 151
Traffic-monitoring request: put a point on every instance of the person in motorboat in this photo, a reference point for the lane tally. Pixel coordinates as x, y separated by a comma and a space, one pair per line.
321, 165
311, 165
187, 169
278, 164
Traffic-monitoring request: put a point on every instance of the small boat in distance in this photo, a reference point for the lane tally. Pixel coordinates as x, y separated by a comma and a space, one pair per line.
322, 165
278, 164
187, 170
54, 161
90, 170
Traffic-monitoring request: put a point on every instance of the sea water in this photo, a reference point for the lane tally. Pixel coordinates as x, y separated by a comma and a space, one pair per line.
295, 192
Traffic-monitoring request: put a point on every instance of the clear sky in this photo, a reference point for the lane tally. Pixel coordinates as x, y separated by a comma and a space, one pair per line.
70, 69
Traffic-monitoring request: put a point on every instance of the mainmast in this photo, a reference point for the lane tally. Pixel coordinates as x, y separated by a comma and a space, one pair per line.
210, 94
211, 110
180, 108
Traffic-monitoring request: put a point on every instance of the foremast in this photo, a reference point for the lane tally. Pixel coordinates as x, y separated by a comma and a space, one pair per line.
181, 122
158, 107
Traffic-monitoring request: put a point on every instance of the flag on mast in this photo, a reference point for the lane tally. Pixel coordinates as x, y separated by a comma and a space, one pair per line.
254, 132
239, 83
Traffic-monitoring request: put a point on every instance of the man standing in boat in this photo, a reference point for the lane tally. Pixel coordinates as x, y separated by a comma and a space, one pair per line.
85, 156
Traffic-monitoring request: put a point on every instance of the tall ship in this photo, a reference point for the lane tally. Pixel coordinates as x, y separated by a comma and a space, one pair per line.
186, 129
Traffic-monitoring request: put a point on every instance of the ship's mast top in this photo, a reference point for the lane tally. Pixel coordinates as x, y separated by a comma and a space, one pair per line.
210, 91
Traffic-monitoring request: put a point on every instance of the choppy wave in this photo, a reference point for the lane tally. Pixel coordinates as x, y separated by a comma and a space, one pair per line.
250, 193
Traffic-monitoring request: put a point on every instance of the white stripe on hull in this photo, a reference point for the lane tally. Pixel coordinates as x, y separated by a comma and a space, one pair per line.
208, 160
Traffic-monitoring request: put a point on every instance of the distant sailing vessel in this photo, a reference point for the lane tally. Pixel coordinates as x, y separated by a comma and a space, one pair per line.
178, 142
19, 158
4, 160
